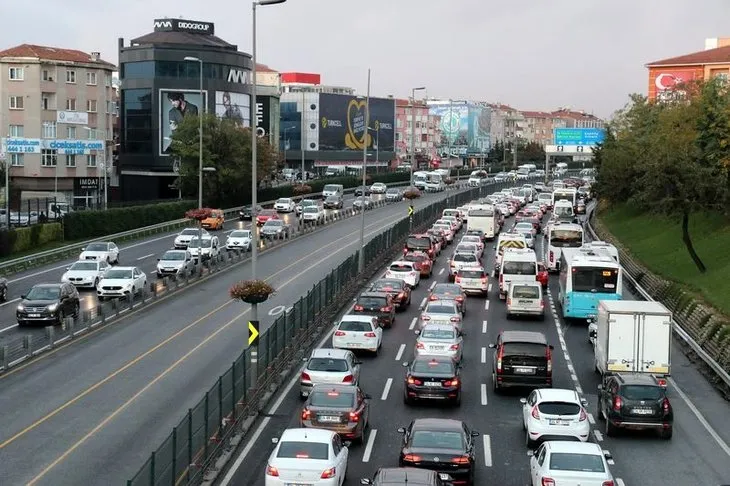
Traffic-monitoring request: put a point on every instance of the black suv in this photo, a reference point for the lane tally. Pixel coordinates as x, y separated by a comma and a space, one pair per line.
407, 476
378, 304
634, 401
48, 304
522, 358
246, 214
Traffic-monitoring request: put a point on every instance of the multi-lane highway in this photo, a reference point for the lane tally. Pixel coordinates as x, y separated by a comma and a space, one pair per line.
92, 411
697, 454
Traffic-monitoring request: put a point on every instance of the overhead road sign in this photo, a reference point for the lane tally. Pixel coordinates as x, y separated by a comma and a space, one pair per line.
253, 333
568, 149
578, 136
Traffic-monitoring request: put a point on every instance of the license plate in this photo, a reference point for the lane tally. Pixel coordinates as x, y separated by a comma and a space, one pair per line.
352, 345
526, 302
297, 484
557, 422
641, 411
329, 418
437, 348
34, 315
432, 383
524, 371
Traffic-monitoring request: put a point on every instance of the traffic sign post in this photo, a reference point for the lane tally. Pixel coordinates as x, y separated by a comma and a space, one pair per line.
578, 136
567, 150
253, 344
410, 216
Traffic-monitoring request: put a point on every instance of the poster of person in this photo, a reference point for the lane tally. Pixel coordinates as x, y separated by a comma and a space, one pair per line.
233, 106
174, 106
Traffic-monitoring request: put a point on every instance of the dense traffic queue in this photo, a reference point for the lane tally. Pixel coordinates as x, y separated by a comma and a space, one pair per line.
437, 451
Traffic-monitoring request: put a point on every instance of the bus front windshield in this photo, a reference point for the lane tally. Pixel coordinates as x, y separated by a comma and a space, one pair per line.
566, 238
563, 211
595, 280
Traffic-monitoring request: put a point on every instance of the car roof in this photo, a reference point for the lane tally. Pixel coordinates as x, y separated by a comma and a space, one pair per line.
574, 447
49, 285
335, 387
523, 337
398, 476
437, 424
637, 379
306, 435
357, 317
406, 262
123, 268
446, 285
330, 353
557, 394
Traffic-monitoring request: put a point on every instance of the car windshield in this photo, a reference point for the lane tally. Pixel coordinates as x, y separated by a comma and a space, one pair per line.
566, 238
401, 267
559, 408
83, 266
331, 187
437, 439
311, 209
97, 247
525, 292
273, 223
332, 399
173, 255
241, 234
523, 227
564, 461
466, 247
43, 293
471, 239
642, 392
118, 274
440, 309
447, 289
283, 201
418, 242
195, 242
445, 367
465, 257
372, 301
519, 268
308, 202
468, 273
431, 333
303, 450
189, 232
388, 284
331, 365
392, 191
267, 212
356, 326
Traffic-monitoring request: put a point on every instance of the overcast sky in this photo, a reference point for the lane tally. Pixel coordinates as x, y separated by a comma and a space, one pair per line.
531, 54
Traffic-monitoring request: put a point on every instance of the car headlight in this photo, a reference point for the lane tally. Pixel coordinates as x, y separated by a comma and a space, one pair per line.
20, 308
128, 286
64, 277
52, 307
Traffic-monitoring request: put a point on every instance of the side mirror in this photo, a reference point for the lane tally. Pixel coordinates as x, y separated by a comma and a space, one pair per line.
274, 440
347, 443
401, 430
417, 332
305, 359
523, 401
404, 364
607, 455
600, 387
492, 346
22, 296
474, 433
584, 402
69, 268
157, 260
83, 249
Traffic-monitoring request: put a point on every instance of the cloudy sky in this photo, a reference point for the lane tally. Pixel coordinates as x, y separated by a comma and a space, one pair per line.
532, 54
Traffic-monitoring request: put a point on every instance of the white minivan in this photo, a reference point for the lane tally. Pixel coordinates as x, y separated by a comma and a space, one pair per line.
518, 265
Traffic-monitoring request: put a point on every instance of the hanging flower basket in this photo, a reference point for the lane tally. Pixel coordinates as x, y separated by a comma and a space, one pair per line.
448, 181
301, 189
251, 291
198, 214
412, 193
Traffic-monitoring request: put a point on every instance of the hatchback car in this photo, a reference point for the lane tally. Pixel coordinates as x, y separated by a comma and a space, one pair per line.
447, 291
358, 332
397, 288
377, 304
285, 205
246, 214
305, 203
48, 304
121, 282
461, 260
363, 202
525, 299
559, 462
265, 215
469, 248
473, 280
182, 240
432, 378
239, 240
329, 366
405, 271
393, 194
174, 263
421, 261
339, 408
275, 228
333, 202
315, 457
441, 311
101, 251
439, 340
554, 414
522, 358
378, 188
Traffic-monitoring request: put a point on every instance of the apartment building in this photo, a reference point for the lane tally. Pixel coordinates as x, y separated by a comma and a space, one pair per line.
576, 119
57, 114
427, 129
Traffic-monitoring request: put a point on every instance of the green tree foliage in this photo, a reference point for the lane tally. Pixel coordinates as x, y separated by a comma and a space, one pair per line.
671, 158
227, 148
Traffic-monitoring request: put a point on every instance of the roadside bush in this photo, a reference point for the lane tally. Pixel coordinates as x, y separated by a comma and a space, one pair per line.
23, 239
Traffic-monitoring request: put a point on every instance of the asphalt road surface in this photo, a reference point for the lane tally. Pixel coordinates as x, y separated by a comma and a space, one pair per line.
692, 457
92, 412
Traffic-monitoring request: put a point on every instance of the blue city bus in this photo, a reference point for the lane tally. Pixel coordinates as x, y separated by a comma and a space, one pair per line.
587, 275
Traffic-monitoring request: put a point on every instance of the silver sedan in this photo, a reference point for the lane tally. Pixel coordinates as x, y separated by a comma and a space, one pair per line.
439, 340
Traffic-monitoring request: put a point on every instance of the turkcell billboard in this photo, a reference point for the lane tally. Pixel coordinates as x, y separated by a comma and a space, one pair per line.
464, 128
342, 121
579, 136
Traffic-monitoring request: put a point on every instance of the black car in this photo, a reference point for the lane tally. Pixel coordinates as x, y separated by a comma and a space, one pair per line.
432, 378
3, 289
397, 288
407, 476
246, 214
635, 401
522, 358
343, 409
333, 202
378, 304
442, 445
359, 191
48, 304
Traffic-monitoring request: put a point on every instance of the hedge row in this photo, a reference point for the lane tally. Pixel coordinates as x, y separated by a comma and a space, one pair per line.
18, 240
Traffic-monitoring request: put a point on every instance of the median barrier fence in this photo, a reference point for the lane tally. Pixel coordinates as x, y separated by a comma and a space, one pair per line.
208, 434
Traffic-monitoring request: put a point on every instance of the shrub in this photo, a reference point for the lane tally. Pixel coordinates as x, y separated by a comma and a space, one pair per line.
18, 240
301, 189
412, 193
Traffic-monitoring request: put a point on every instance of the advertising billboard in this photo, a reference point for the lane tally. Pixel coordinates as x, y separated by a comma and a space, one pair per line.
233, 106
61, 146
454, 127
342, 123
176, 104
72, 117
479, 128
578, 136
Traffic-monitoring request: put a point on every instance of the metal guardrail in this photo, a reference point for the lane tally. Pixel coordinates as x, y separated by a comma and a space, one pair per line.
721, 372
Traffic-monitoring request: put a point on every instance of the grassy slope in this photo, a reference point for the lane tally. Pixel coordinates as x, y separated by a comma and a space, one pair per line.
657, 242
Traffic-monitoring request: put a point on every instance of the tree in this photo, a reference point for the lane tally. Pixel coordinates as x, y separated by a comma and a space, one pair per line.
531, 152
227, 148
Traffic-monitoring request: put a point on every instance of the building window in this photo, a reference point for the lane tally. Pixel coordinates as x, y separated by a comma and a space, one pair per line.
91, 160
48, 75
48, 101
91, 79
91, 106
70, 161
16, 74
107, 80
15, 103
16, 160
138, 133
49, 129
71, 104
71, 132
49, 158
15, 131
71, 77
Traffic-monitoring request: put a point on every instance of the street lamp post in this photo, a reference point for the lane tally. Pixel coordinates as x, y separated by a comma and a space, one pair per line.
366, 134
200, 154
301, 137
413, 128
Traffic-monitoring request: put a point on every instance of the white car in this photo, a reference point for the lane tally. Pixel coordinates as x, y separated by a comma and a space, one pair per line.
552, 414
285, 205
405, 271
305, 203
439, 339
182, 240
475, 240
239, 240
378, 188
356, 331
174, 262
461, 260
469, 248
570, 463
86, 273
106, 250
311, 457
121, 282
313, 214
210, 247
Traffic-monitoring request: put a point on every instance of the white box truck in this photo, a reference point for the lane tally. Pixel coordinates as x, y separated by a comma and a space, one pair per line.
633, 336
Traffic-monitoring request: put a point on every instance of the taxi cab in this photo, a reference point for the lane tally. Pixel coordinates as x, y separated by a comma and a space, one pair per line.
214, 221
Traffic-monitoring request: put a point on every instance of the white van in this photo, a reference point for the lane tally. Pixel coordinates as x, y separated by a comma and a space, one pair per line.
420, 178
333, 190
505, 241
562, 211
435, 182
478, 177
525, 299
518, 265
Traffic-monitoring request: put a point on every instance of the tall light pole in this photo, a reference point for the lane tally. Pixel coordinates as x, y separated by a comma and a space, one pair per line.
200, 130
254, 182
413, 128
301, 142
451, 126
365, 135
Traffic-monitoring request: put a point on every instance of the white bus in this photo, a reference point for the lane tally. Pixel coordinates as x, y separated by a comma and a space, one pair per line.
566, 194
605, 246
587, 276
483, 217
561, 235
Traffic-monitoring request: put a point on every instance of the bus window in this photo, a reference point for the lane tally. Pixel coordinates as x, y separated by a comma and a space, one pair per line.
598, 280
566, 238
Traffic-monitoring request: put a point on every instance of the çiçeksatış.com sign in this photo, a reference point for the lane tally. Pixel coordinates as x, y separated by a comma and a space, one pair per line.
63, 147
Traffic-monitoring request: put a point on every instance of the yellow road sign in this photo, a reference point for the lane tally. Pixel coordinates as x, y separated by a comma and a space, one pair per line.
253, 333
410, 210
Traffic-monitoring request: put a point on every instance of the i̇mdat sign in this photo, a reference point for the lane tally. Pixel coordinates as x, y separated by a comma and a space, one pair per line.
569, 149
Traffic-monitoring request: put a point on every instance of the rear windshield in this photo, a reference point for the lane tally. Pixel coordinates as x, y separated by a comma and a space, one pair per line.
440, 309
331, 365
525, 292
443, 289
356, 326
372, 301
333, 399
524, 349
642, 392
559, 408
419, 242
465, 257
388, 285
331, 187
400, 267
519, 268
426, 366
481, 212
438, 439
561, 461
303, 450
598, 280
438, 333
472, 273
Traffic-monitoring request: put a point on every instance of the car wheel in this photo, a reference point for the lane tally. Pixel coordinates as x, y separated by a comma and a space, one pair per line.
529, 443
4, 294
610, 429
599, 412
495, 386
457, 400
407, 400
61, 316
77, 310
666, 434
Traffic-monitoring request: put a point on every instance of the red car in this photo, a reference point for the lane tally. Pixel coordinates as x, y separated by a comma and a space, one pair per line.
264, 215
420, 242
542, 274
421, 261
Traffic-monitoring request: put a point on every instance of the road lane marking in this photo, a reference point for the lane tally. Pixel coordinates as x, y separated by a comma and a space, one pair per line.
486, 305
369, 446
8, 328
484, 355
597, 434
413, 323
399, 355
386, 390
10, 302
591, 419
441, 272
484, 394
433, 284
620, 482
484, 327
609, 461
487, 450
145, 257
423, 303
489, 288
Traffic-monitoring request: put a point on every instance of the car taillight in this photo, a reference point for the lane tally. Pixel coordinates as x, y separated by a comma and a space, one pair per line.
354, 417
420, 346
370, 334
552, 257
432, 297
542, 304
358, 308
662, 382
402, 295
501, 279
425, 317
665, 406
414, 381
306, 414
459, 299
430, 251
484, 280
305, 377
608, 483
500, 354
583, 415
348, 379
617, 404
461, 460
454, 347
339, 333
329, 473
455, 319
387, 308
535, 413
549, 356
411, 458
457, 279
272, 471
509, 301
547, 481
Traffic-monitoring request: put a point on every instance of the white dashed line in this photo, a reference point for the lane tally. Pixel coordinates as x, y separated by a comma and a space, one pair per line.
400, 352
486, 305
598, 435
489, 288
620, 482
386, 390
433, 284
484, 394
484, 327
484, 355
413, 323
591, 419
369, 446
609, 461
8, 328
487, 450
423, 303
570, 367
441, 272
10, 302
145, 257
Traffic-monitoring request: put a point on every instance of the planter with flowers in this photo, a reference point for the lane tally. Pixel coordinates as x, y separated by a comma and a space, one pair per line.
449, 181
301, 189
412, 193
252, 291
198, 214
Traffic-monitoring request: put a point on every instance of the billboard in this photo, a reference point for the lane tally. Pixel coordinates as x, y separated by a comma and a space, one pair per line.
72, 117
176, 104
578, 136
61, 146
669, 83
342, 123
454, 127
479, 130
233, 106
